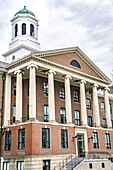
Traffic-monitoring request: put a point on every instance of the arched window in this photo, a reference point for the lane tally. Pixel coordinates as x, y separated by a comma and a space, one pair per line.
31, 30
23, 29
75, 64
16, 29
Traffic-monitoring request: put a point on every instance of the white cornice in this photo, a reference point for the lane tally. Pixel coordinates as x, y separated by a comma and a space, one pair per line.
40, 54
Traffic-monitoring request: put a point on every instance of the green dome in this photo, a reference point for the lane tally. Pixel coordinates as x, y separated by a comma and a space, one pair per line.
25, 11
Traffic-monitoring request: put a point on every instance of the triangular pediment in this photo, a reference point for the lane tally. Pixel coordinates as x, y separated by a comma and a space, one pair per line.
65, 56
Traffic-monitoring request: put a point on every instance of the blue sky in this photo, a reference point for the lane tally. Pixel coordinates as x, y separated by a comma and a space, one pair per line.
67, 23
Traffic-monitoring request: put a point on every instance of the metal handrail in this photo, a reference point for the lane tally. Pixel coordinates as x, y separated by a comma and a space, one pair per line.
87, 155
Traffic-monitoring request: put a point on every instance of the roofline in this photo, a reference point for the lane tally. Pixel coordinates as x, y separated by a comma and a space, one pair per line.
41, 54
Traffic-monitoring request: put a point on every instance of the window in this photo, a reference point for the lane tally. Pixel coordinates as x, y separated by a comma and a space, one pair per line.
46, 114
14, 114
75, 64
102, 107
8, 141
89, 121
90, 166
110, 108
103, 165
104, 123
107, 138
20, 165
46, 165
23, 29
62, 92
95, 140
16, 30
32, 30
27, 112
45, 138
5, 165
28, 89
64, 139
77, 117
21, 139
63, 115
14, 88
112, 123
88, 101
45, 88
76, 96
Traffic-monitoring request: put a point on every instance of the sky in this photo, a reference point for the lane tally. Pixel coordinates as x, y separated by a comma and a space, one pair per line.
87, 24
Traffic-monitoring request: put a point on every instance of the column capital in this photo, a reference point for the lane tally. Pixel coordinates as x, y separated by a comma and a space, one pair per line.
32, 66
51, 72
19, 72
82, 81
95, 85
106, 89
67, 76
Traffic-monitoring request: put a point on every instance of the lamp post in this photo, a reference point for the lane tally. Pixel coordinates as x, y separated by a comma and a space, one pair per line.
2, 132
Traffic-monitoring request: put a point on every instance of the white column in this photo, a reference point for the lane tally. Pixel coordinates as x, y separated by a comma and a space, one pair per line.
96, 106
51, 96
7, 100
32, 93
83, 103
68, 99
107, 109
18, 95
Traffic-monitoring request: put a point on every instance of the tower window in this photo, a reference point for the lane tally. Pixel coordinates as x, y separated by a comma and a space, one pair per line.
32, 30
16, 30
23, 29
75, 64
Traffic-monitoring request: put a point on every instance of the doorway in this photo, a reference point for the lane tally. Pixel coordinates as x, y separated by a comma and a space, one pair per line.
80, 144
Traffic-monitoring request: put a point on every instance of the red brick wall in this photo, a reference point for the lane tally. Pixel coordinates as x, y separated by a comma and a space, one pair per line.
33, 140
65, 59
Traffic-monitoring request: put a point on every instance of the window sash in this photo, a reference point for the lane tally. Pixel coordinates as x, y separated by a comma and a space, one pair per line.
62, 92
21, 139
45, 138
88, 101
5, 165
95, 140
14, 88
107, 138
77, 117
63, 115
102, 107
104, 123
76, 96
46, 165
46, 113
64, 139
89, 121
45, 88
110, 108
8, 141
20, 165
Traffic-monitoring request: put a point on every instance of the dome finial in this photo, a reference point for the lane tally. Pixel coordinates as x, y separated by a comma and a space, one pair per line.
24, 7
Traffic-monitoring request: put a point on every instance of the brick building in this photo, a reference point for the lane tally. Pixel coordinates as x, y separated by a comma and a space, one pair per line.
56, 102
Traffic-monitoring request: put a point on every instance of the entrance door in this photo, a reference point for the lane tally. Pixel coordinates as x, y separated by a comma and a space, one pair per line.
80, 143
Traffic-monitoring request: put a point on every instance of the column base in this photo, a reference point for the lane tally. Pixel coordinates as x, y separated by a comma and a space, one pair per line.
53, 121
70, 123
17, 121
32, 119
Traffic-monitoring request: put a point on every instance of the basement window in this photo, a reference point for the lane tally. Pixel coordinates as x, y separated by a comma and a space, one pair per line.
90, 166
103, 165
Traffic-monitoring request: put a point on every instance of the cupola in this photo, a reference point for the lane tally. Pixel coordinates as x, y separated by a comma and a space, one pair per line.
24, 35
